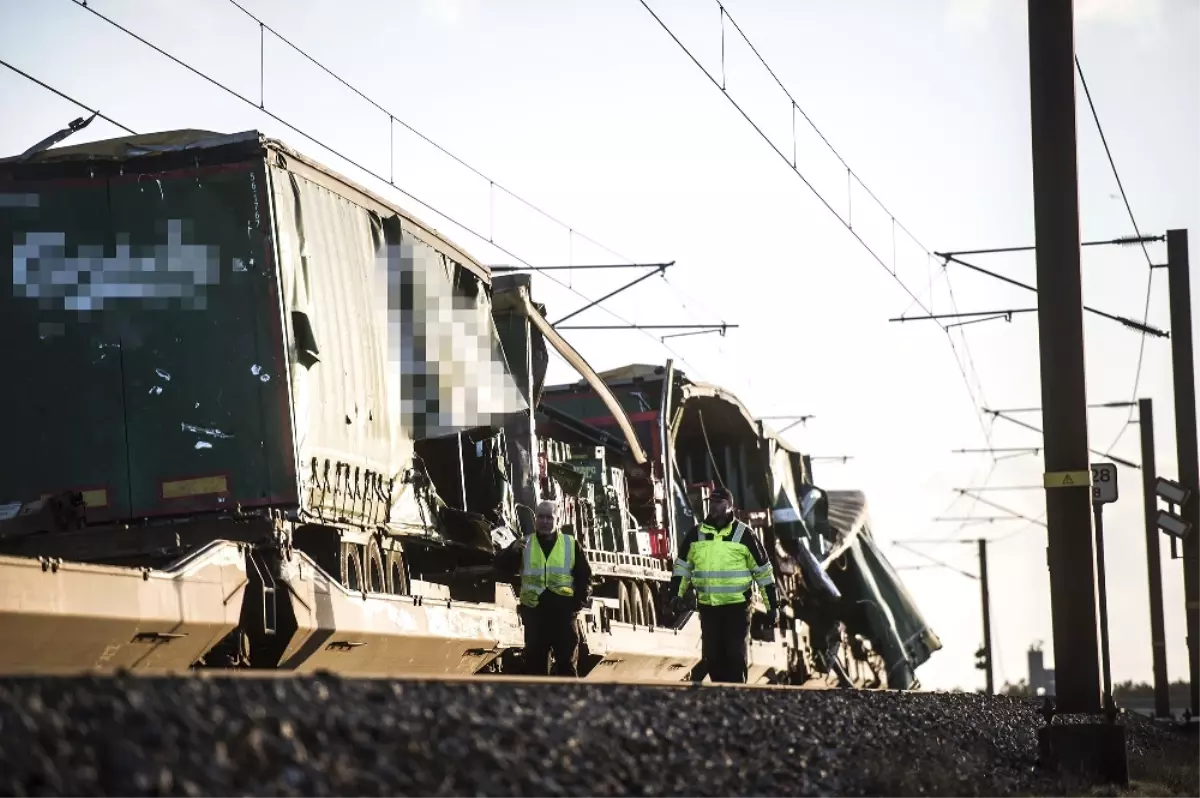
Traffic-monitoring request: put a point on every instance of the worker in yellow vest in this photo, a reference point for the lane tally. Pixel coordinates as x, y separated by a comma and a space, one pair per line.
555, 586
724, 560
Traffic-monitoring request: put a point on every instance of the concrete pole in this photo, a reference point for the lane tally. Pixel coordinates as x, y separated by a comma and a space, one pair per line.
1183, 368
1158, 635
1060, 327
989, 671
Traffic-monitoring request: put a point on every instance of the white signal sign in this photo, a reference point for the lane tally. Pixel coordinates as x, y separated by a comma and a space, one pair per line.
1104, 483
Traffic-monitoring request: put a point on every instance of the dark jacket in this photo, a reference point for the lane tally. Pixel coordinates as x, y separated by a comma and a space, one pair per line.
508, 562
757, 551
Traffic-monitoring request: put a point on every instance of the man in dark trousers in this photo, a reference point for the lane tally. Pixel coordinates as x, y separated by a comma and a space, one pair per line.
724, 560
555, 586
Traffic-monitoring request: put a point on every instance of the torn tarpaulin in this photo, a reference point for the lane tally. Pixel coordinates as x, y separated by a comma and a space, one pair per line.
442, 338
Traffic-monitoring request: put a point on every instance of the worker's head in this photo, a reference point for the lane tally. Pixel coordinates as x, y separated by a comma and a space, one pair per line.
720, 505
545, 518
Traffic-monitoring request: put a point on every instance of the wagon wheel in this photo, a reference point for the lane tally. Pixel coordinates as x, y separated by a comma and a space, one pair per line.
624, 609
376, 581
352, 569
651, 611
637, 605
397, 583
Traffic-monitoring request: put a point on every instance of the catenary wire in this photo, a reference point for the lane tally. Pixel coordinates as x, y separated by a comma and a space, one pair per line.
1149, 263
778, 152
371, 172
1141, 240
67, 97
970, 360
392, 117
810, 186
976, 403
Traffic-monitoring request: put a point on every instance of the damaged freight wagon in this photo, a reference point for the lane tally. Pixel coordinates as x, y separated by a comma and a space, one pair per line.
222, 343
597, 477
846, 620
268, 419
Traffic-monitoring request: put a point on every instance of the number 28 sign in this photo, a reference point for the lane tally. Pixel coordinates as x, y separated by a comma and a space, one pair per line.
1104, 483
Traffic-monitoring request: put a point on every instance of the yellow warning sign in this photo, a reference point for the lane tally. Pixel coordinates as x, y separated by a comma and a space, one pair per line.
1067, 479
91, 498
199, 486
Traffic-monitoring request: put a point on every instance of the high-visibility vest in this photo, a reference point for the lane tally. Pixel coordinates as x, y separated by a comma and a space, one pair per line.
541, 573
722, 567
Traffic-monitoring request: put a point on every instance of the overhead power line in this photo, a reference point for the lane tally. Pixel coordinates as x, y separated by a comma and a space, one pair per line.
1112, 242
1001, 487
1143, 328
934, 562
705, 327
791, 163
1137, 376
1137, 239
572, 233
260, 106
720, 330
977, 519
392, 118
585, 267
850, 176
1002, 508
1093, 406
1038, 430
67, 97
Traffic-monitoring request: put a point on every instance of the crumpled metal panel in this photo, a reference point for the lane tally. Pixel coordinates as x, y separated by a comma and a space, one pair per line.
899, 631
847, 512
917, 639
125, 147
454, 375
390, 341
522, 303
790, 528
340, 398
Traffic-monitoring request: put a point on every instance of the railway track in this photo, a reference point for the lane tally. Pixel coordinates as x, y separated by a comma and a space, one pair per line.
493, 679
244, 733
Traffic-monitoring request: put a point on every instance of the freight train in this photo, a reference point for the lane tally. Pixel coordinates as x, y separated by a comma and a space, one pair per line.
260, 417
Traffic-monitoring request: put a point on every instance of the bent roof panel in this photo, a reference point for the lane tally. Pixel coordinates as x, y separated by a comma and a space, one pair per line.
690, 389
149, 145
847, 511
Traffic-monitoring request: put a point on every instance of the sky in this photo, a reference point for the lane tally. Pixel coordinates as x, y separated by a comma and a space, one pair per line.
590, 111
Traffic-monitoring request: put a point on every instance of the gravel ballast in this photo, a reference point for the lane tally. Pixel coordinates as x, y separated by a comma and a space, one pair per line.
323, 735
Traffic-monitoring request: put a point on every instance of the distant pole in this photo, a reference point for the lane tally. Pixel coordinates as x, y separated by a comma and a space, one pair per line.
987, 618
1158, 636
1183, 368
1060, 330
1102, 587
